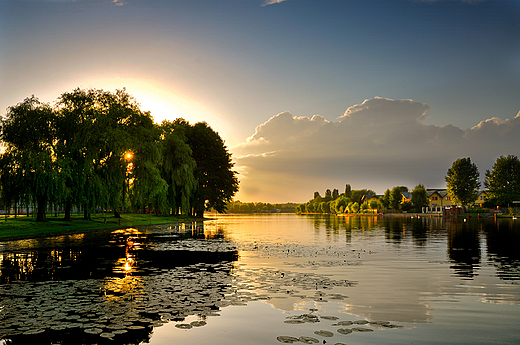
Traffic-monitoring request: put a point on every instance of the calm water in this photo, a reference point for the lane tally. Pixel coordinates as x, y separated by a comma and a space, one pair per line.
268, 279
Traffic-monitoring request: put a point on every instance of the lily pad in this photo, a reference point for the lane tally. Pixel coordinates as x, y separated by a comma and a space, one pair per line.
198, 323
345, 330
333, 318
287, 339
308, 340
324, 333
184, 326
362, 329
344, 323
360, 322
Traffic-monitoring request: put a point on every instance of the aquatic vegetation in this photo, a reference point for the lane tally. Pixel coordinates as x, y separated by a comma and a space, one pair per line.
324, 333
170, 278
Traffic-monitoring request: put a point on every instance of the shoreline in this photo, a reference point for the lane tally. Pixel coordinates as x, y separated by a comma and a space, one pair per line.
109, 227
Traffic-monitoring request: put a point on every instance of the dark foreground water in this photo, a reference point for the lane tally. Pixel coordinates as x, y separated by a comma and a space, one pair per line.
268, 279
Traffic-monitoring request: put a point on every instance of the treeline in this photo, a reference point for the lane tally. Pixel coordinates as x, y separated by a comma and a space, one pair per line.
260, 207
95, 149
365, 201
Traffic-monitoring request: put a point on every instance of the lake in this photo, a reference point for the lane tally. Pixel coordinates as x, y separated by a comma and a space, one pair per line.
268, 279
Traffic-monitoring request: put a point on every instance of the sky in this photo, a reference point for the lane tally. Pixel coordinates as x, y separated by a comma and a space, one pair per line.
308, 95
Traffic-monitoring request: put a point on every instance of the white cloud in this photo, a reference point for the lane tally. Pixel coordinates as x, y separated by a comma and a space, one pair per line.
270, 2
377, 144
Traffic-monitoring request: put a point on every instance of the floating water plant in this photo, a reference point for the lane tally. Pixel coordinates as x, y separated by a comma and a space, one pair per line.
324, 333
287, 339
308, 340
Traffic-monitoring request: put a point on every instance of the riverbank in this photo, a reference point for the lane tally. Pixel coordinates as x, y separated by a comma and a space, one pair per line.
13, 228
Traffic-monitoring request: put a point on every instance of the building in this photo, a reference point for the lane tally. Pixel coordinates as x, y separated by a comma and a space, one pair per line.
440, 198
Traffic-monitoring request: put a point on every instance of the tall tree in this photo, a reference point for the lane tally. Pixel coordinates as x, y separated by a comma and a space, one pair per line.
328, 195
75, 142
335, 194
419, 197
462, 180
29, 157
217, 182
348, 191
177, 166
503, 181
385, 199
395, 198
95, 129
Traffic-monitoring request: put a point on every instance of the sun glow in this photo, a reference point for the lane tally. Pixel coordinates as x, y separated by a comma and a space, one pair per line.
165, 102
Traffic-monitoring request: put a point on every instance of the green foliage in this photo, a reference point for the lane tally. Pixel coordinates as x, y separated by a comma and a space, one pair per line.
375, 204
395, 198
462, 180
28, 164
328, 195
406, 205
237, 206
177, 167
98, 150
217, 182
348, 190
419, 197
385, 199
503, 181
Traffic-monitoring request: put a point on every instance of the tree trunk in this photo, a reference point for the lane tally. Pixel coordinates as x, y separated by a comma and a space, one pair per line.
117, 214
86, 213
42, 208
68, 207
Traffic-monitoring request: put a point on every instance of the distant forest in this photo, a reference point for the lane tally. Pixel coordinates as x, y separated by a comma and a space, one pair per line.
260, 207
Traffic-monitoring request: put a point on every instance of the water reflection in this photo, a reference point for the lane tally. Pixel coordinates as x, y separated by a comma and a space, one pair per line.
464, 246
502, 239
118, 285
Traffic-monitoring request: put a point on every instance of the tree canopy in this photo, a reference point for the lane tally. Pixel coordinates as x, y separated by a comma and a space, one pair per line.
462, 180
97, 150
503, 181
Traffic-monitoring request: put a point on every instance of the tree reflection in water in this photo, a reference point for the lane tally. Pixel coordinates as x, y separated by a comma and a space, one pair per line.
114, 286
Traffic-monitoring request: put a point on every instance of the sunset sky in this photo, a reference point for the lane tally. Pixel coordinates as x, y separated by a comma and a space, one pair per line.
308, 95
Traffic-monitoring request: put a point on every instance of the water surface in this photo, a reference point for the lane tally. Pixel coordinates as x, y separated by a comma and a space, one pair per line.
268, 279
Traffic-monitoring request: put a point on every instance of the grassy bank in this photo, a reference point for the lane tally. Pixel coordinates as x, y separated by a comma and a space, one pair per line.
23, 226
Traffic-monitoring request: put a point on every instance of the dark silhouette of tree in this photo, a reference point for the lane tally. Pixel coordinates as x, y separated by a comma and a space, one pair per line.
216, 181
29, 158
177, 166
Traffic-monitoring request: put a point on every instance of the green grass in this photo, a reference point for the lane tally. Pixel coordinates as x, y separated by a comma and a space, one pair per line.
23, 226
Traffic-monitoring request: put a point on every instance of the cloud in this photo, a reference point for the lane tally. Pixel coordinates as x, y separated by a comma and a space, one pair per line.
377, 144
270, 2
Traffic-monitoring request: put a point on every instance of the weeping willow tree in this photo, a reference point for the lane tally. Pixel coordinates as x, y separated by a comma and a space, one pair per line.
96, 149
177, 167
29, 159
